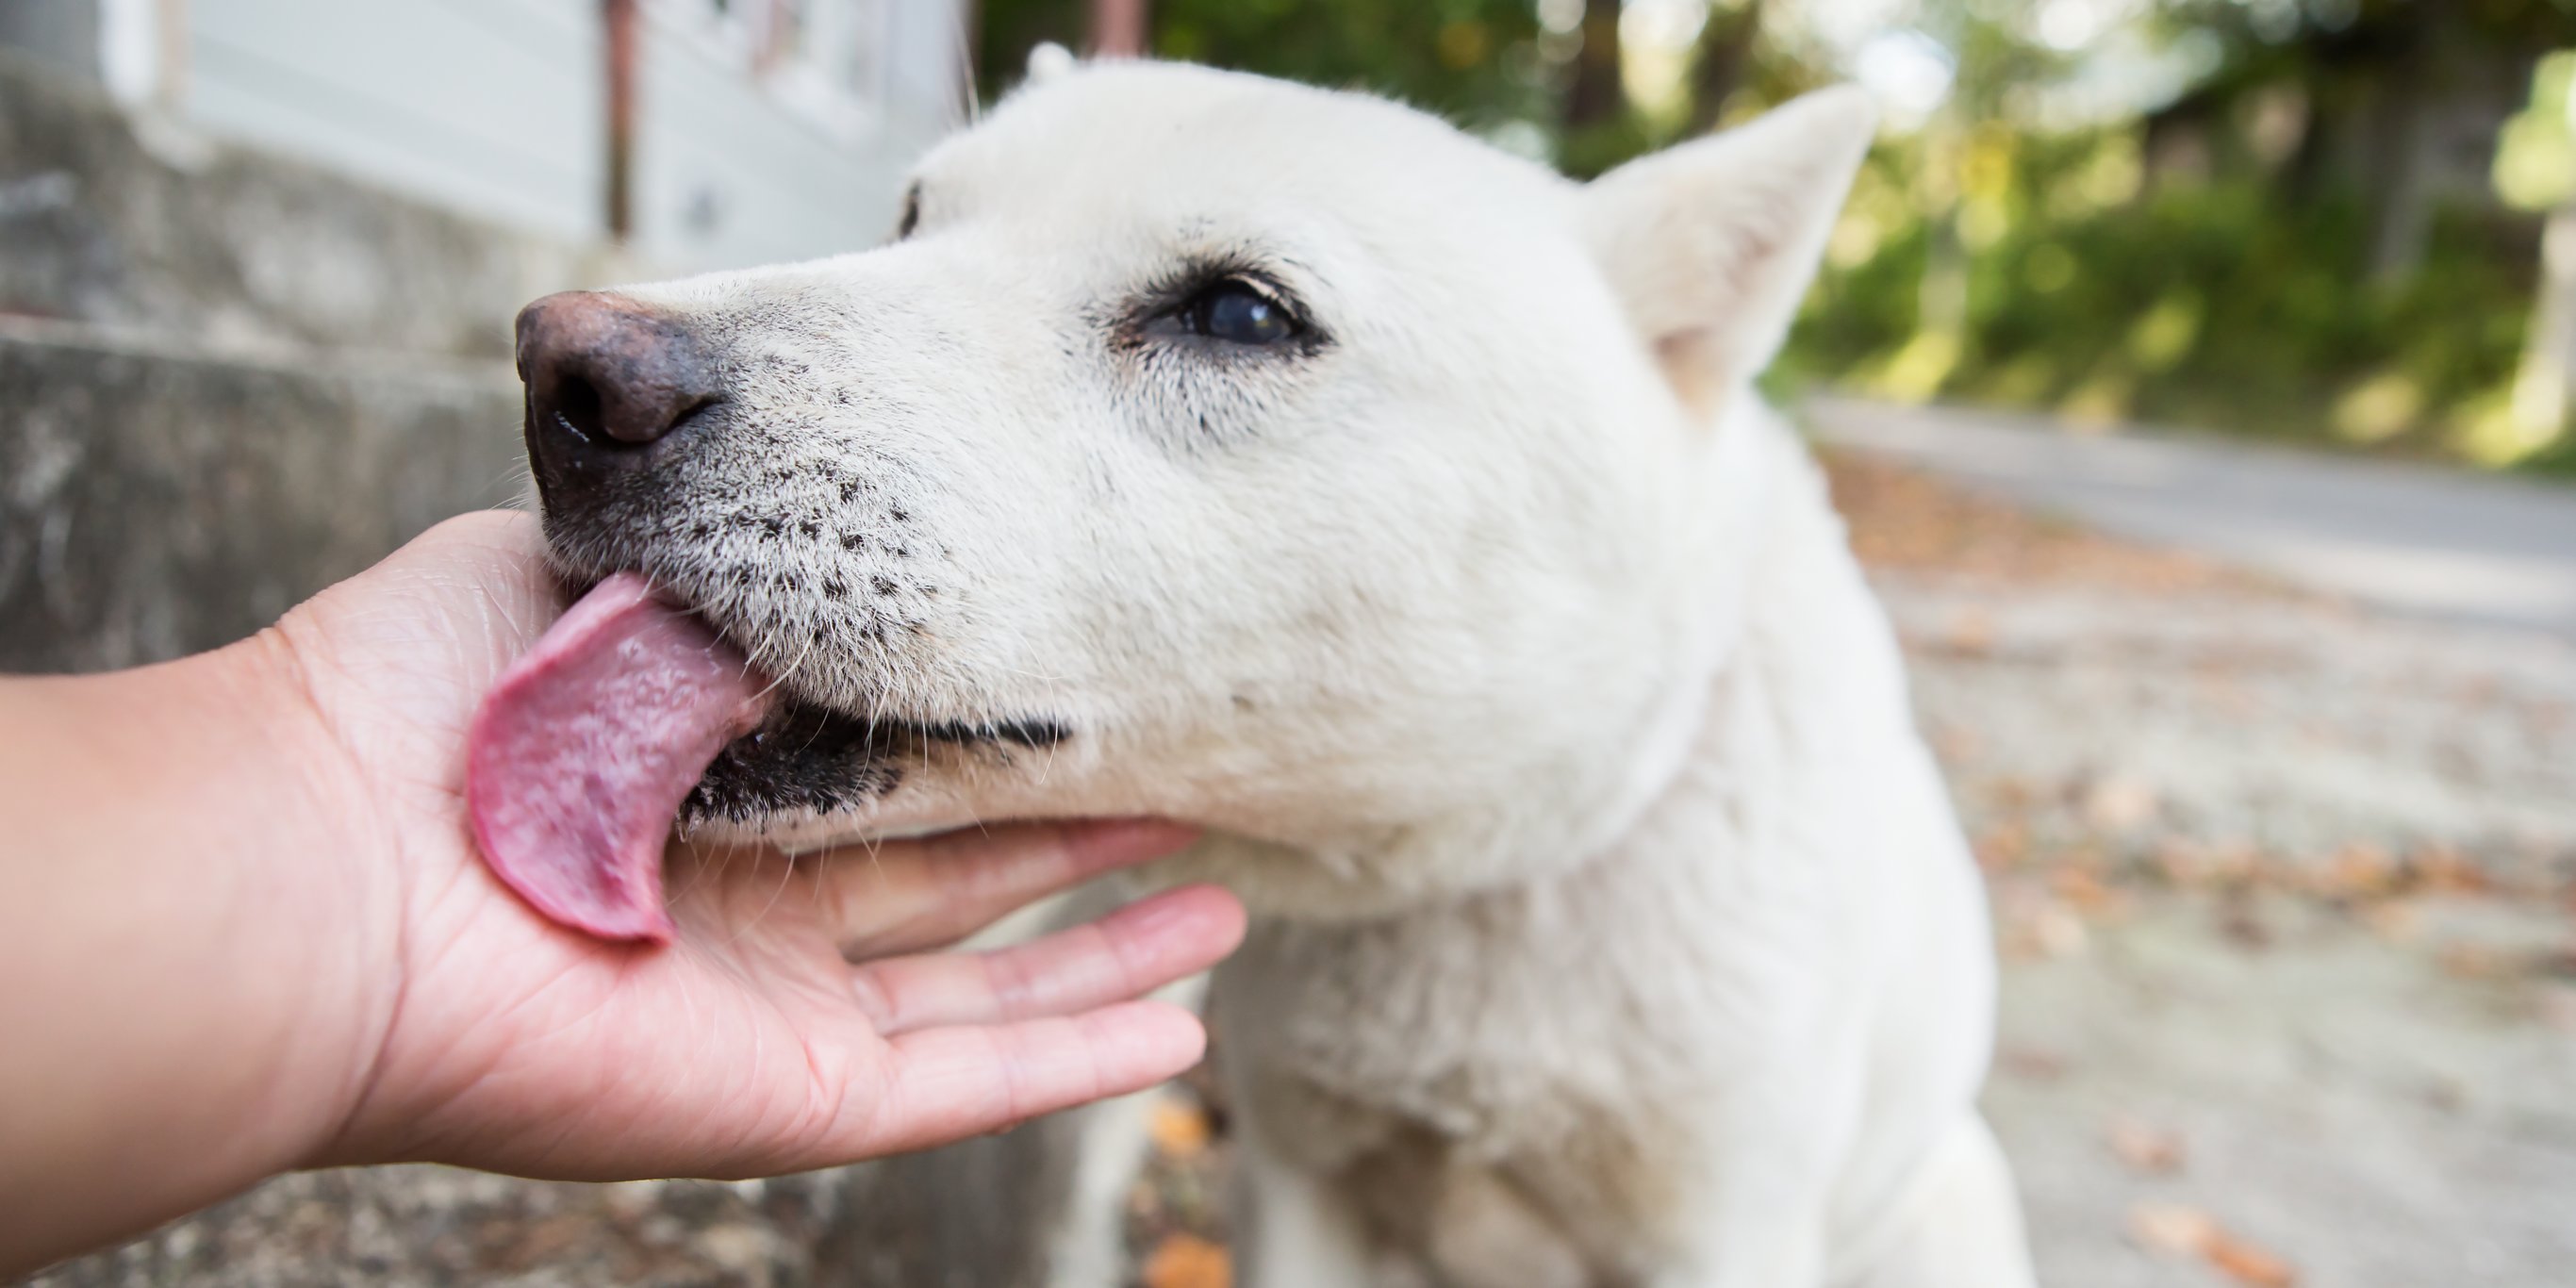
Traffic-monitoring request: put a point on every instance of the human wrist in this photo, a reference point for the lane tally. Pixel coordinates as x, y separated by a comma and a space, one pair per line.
335, 854
190, 877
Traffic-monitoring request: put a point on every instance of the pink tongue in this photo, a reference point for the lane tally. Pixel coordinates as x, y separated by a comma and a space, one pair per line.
583, 752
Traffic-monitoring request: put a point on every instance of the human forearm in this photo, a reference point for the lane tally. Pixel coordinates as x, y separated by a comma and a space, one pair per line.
186, 1012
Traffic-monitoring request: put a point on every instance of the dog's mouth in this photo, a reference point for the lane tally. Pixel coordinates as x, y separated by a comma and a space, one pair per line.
632, 711
811, 758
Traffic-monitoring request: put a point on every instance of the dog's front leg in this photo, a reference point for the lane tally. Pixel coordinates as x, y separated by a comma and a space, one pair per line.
1291, 1230
1760, 1217
1769, 1244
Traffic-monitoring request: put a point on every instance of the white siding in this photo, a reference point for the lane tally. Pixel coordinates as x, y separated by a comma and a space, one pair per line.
493, 106
496, 107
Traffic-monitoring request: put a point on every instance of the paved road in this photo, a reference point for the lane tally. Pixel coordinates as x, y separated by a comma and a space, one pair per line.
2410, 538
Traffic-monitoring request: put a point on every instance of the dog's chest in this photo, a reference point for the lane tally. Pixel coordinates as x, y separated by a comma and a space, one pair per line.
1537, 1058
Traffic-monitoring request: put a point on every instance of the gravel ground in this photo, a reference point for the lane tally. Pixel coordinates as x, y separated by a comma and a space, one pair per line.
2283, 889
2286, 892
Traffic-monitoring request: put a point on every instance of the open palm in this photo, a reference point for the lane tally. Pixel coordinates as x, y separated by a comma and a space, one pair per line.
809, 1012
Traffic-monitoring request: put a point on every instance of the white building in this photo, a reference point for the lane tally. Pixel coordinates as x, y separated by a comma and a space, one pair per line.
761, 130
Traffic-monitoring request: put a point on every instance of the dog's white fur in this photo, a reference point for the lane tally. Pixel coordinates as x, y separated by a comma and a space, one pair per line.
1612, 926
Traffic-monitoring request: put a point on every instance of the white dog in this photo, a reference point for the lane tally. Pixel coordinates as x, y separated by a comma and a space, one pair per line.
1290, 463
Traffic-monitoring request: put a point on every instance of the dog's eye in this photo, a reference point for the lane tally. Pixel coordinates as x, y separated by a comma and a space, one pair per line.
1239, 312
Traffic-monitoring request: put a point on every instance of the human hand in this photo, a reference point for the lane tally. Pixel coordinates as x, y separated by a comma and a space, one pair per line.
751, 1045
250, 932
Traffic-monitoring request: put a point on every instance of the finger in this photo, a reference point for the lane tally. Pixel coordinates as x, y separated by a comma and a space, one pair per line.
907, 896
950, 1083
1132, 951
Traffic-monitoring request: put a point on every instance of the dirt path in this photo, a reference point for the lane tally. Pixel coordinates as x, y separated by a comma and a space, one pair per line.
2283, 888
2437, 542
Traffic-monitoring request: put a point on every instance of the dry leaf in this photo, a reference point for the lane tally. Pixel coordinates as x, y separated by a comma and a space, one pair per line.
2443, 868
1188, 1261
2179, 1229
2475, 961
2395, 920
2360, 870
1179, 1128
2172, 1228
2084, 888
2556, 1005
2120, 804
2058, 931
2003, 846
2247, 1264
2145, 1149
1971, 632
2031, 1063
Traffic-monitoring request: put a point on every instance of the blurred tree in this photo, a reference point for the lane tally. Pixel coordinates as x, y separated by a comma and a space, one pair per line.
1474, 61
2398, 101
2536, 170
1966, 174
1598, 96
1722, 65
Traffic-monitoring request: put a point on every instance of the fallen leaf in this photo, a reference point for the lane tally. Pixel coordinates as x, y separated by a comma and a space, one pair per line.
2247, 1264
2003, 846
2444, 868
2395, 920
2174, 1228
2557, 1007
2179, 1229
2145, 1149
1971, 632
1179, 1128
2474, 961
2059, 932
1188, 1261
2359, 870
2119, 804
2085, 889
2031, 1063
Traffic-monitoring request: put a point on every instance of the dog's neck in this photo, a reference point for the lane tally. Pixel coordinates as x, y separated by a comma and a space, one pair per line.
1756, 511
1751, 480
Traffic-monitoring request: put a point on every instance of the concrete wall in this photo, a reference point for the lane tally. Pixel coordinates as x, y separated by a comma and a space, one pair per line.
227, 379
159, 501
62, 32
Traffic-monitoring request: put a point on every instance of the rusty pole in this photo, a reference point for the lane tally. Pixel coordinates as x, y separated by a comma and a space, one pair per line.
1118, 28
618, 21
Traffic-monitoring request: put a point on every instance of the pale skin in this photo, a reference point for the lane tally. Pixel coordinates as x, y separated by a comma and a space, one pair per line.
245, 931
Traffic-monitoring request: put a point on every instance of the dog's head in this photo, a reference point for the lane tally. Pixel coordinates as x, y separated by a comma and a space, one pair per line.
1275, 459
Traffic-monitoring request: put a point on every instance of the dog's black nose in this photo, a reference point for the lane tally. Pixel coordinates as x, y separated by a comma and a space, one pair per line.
606, 377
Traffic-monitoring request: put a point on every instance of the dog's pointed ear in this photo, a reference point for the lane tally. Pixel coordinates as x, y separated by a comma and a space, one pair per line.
1710, 245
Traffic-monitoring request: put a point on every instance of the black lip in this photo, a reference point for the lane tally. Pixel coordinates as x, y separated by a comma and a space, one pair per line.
812, 758
802, 757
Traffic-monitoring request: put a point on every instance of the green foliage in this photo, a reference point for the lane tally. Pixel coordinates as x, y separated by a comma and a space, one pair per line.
2214, 305
1474, 61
